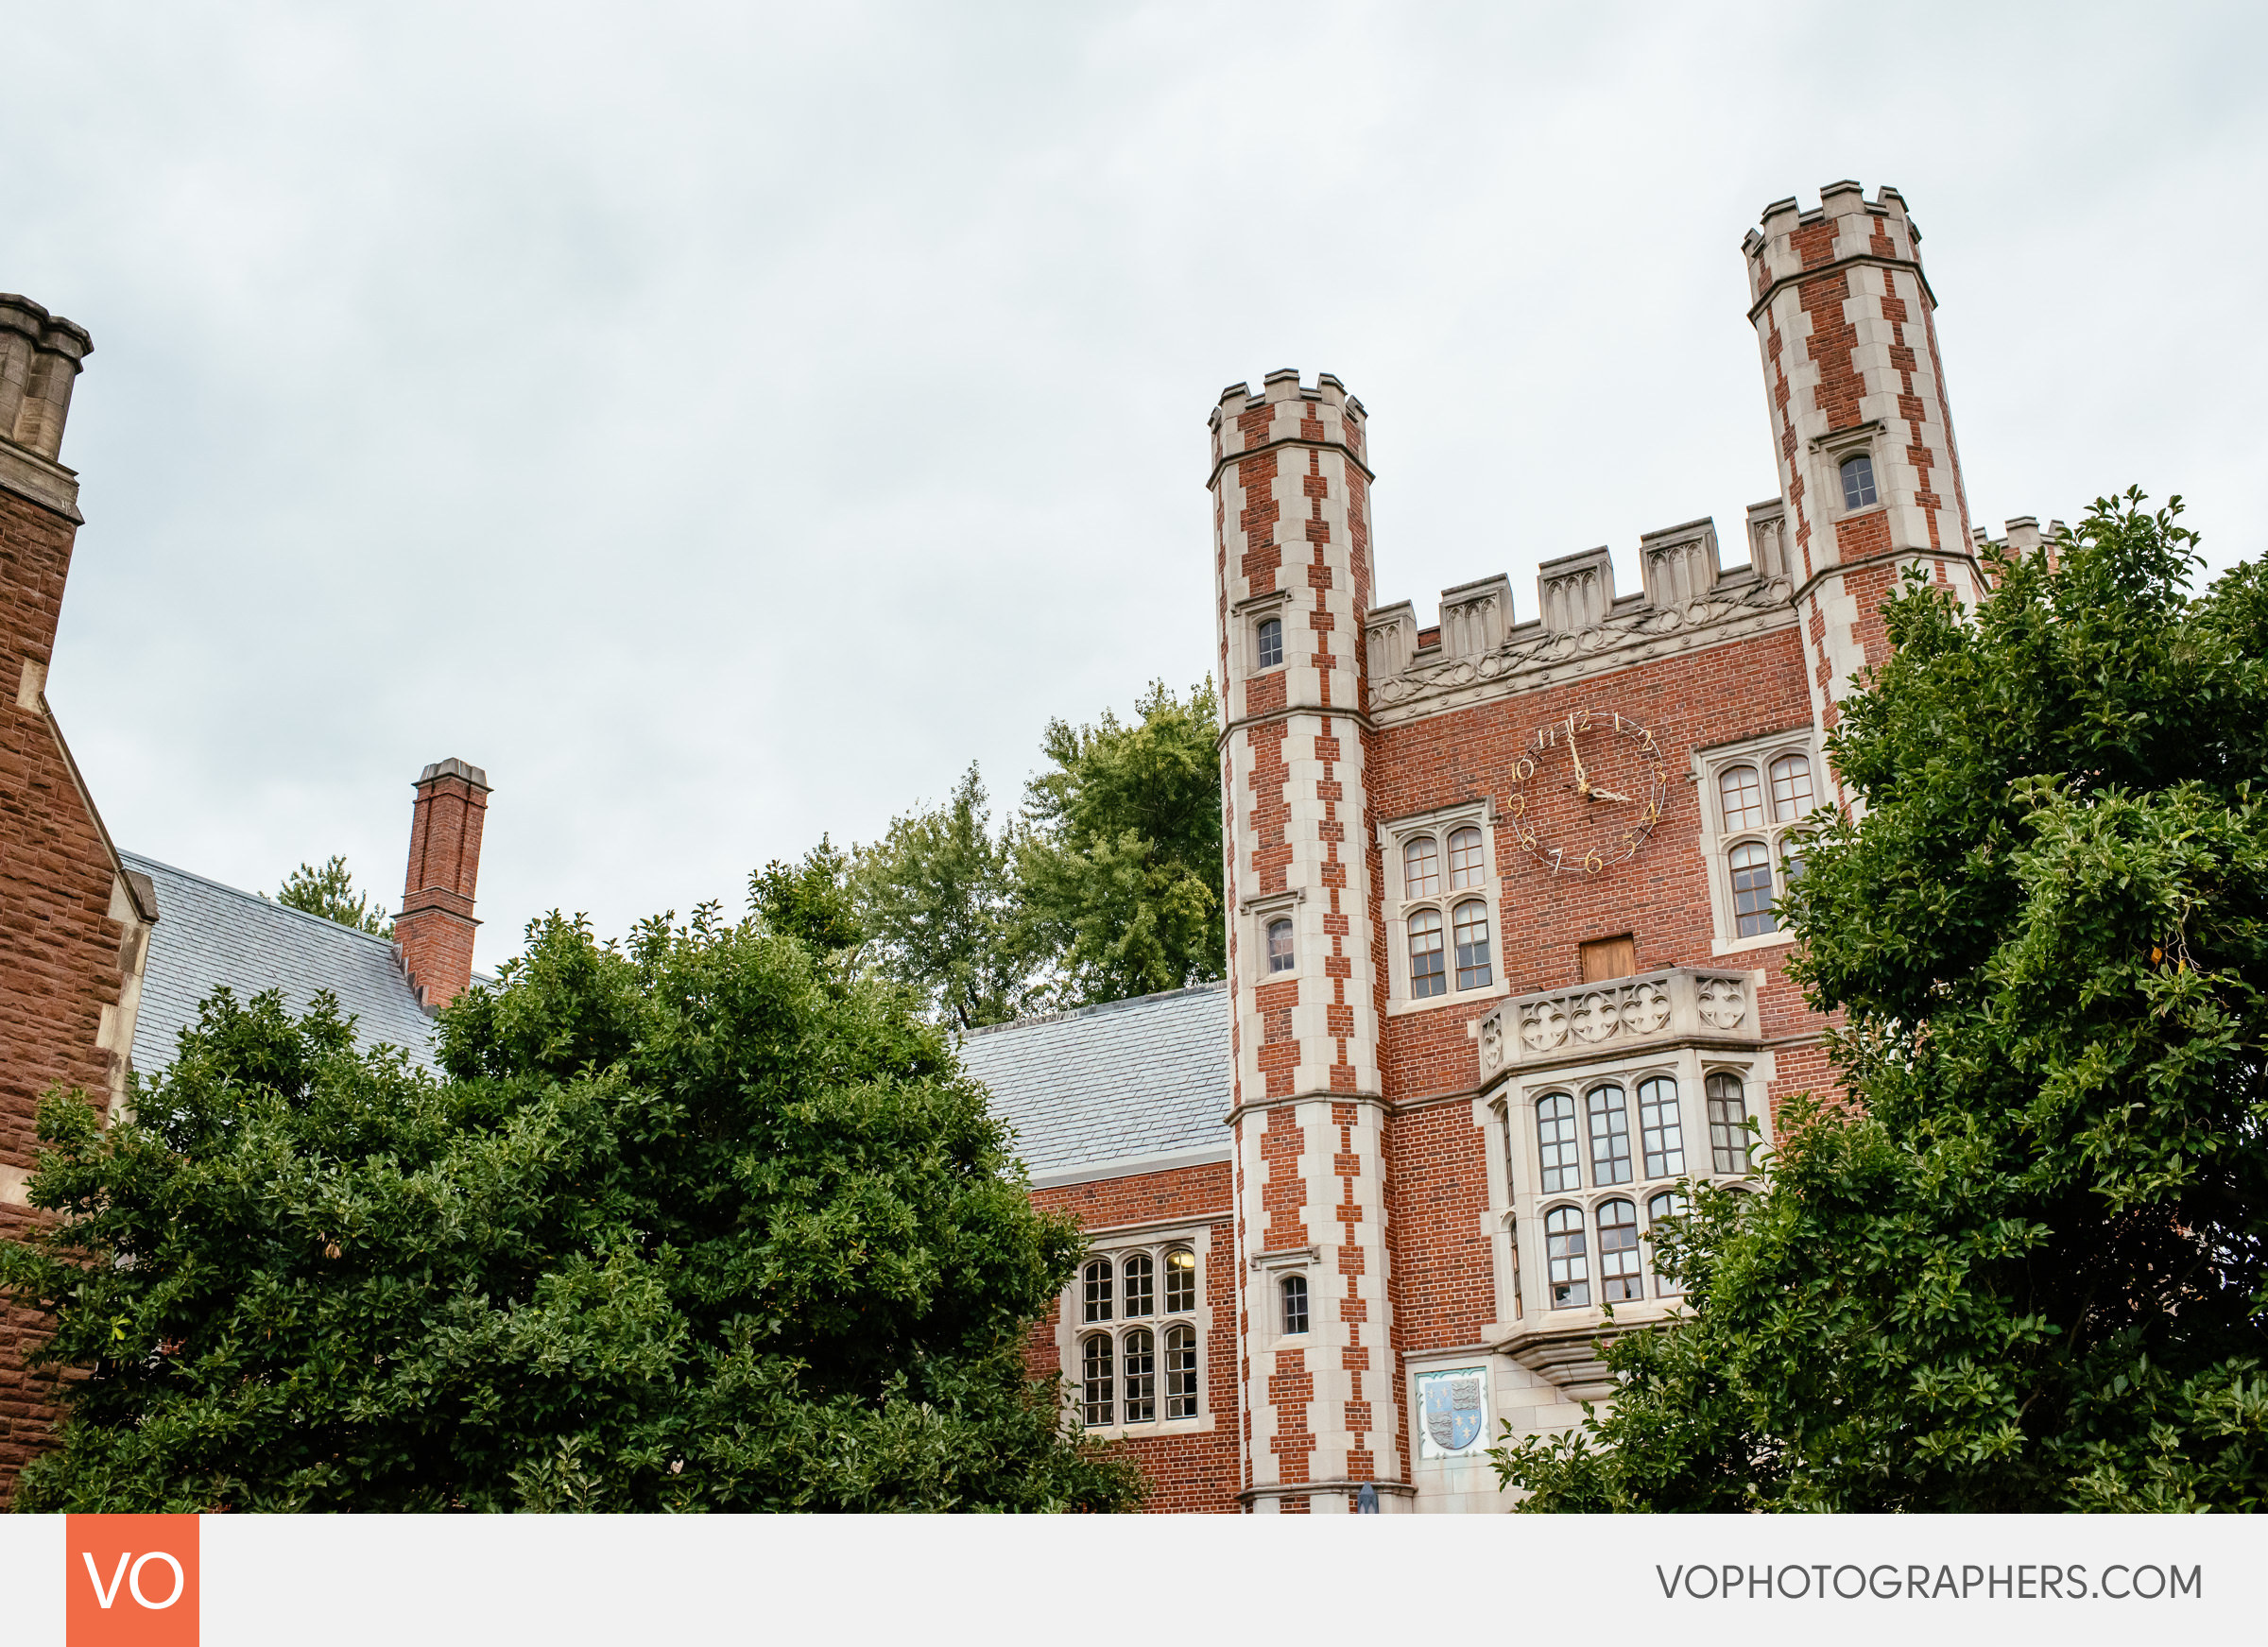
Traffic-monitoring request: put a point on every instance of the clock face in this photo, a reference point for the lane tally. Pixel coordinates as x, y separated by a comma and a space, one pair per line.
1586, 791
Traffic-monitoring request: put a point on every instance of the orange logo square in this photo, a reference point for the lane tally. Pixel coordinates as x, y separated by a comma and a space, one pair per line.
129, 1581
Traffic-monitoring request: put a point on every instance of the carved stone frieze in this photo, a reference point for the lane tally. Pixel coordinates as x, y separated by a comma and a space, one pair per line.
1558, 1025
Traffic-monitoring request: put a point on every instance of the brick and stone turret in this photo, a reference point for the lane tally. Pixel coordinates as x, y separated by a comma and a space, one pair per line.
436, 927
1292, 548
1845, 320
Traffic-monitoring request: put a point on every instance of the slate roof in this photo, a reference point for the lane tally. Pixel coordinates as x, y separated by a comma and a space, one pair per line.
1138, 1078
208, 934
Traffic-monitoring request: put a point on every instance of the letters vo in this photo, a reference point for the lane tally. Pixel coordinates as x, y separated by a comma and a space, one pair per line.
131, 1581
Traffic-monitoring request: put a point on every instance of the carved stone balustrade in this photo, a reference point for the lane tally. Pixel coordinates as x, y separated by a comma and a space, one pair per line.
1588, 1021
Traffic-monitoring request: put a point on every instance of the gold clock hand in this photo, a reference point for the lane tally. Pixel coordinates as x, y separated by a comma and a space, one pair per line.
1582, 779
1606, 795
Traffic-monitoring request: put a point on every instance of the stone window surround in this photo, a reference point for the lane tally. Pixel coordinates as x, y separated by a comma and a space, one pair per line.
1717, 842
1828, 452
1249, 615
1514, 1221
1440, 823
1267, 1326
1258, 914
1073, 1330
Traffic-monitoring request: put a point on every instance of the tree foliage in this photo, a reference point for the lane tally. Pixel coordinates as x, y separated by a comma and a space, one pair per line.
329, 891
695, 1224
937, 893
2027, 1269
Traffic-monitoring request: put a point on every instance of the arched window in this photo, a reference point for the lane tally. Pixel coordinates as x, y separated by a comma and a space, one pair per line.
1751, 866
1667, 1203
1465, 866
1095, 1393
1727, 1123
1426, 977
1743, 798
1567, 1258
1136, 1273
1661, 1128
1098, 1290
1420, 868
1180, 1281
1180, 1373
1139, 1370
1622, 1272
1294, 1289
1472, 944
1556, 1141
1858, 481
1279, 946
1790, 862
1271, 642
1791, 788
1610, 1135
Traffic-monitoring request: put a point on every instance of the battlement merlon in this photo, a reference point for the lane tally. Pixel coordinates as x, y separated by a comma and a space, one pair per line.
1844, 228
1285, 414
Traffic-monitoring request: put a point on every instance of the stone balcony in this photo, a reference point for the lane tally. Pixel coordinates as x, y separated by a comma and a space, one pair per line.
1588, 1021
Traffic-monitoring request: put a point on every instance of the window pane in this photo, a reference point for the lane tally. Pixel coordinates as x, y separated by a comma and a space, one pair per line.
1136, 1272
1426, 977
1752, 889
1727, 1123
1465, 866
1139, 1370
1858, 482
1271, 642
1668, 1204
1420, 868
1279, 946
1556, 1141
1743, 798
1094, 1382
1180, 1281
1098, 1290
1791, 788
1565, 1258
1661, 1129
1472, 945
1294, 1303
1610, 1135
1622, 1274
1180, 1373
1790, 862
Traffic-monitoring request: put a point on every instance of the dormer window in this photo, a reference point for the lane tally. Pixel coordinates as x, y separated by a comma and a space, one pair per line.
1271, 642
1858, 481
1279, 946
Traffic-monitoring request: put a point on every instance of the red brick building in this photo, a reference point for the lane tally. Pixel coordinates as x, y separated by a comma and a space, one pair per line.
1502, 966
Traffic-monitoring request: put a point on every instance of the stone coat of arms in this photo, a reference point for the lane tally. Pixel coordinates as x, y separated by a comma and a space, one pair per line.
1453, 1409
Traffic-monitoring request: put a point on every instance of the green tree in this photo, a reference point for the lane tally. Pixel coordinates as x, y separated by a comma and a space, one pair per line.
695, 1224
813, 901
939, 896
329, 891
1119, 866
2027, 1269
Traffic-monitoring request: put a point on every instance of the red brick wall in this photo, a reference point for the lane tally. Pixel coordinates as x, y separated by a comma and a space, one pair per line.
60, 959
1191, 1470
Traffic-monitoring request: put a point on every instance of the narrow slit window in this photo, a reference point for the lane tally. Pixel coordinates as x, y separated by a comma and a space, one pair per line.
1138, 1369
1751, 866
1420, 868
1096, 1397
1661, 1128
1294, 1303
1858, 481
1426, 977
1472, 945
1180, 1281
1279, 946
1567, 1255
1138, 1277
1180, 1373
1610, 1135
1466, 866
1727, 1123
1556, 1141
1271, 642
1098, 1290
1622, 1271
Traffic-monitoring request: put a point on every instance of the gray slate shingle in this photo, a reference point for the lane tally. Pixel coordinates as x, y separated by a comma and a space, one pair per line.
209, 934
1141, 1077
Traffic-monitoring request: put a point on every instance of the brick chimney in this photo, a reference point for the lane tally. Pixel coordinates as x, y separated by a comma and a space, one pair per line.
435, 928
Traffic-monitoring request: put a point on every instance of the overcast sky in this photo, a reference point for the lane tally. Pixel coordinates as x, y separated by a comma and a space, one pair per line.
725, 423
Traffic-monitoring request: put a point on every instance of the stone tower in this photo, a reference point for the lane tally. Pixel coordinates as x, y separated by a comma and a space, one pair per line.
1869, 475
1294, 582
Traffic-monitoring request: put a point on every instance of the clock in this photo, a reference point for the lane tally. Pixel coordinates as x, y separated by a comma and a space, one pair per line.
1586, 791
